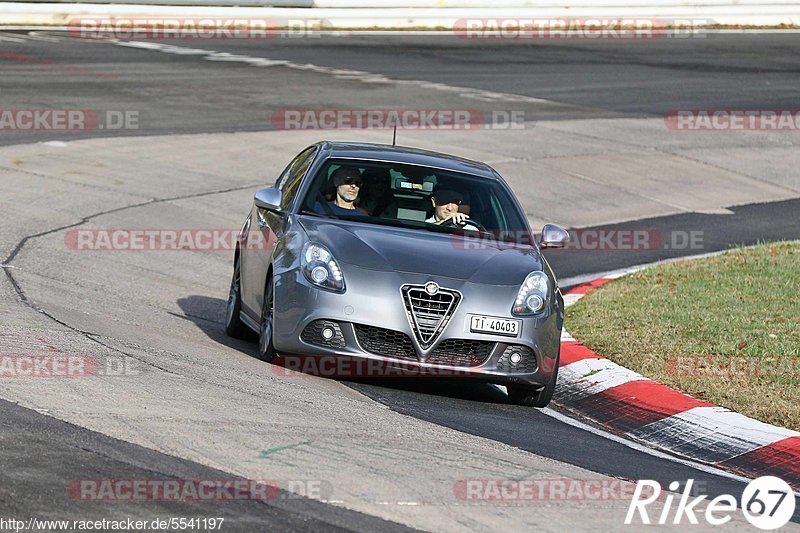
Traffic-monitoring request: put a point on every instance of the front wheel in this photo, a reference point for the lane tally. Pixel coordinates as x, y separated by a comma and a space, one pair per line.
523, 395
234, 326
266, 351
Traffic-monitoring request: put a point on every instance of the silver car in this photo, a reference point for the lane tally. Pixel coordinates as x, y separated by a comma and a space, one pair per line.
401, 258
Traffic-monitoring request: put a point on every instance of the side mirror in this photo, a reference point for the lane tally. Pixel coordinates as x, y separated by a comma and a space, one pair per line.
553, 236
268, 199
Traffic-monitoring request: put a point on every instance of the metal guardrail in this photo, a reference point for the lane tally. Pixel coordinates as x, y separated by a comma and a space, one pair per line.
542, 4
411, 14
209, 3
438, 4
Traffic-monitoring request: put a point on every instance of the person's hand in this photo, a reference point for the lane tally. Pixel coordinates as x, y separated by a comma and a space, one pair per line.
455, 218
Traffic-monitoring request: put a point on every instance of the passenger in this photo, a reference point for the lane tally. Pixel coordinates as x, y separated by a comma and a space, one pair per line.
347, 181
377, 195
445, 208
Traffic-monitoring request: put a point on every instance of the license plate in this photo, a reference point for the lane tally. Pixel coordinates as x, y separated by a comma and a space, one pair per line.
494, 325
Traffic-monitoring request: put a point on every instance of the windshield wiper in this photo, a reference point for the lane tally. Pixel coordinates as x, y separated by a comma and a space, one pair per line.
355, 218
375, 220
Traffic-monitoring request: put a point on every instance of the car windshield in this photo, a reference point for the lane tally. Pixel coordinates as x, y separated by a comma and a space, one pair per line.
397, 194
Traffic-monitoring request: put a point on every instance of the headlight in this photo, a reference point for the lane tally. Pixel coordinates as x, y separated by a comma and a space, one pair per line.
533, 295
321, 269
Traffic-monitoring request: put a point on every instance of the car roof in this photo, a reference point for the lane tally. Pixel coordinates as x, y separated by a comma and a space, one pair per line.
404, 154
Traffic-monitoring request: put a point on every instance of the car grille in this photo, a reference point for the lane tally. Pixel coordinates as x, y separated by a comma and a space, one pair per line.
460, 352
428, 314
385, 342
527, 365
312, 334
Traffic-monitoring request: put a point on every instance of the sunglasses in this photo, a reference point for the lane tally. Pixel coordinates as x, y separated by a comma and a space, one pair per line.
351, 181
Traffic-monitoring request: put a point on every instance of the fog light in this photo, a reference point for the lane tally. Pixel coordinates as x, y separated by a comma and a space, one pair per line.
328, 333
515, 358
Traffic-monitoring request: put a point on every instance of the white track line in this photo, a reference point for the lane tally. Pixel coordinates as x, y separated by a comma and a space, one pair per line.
9, 38
34, 35
359, 75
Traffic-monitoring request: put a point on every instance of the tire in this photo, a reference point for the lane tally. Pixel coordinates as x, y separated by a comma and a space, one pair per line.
266, 350
234, 326
523, 395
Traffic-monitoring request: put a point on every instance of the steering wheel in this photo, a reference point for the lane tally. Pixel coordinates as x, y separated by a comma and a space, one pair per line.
470, 221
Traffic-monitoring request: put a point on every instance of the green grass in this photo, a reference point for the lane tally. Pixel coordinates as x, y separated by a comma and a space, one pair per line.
682, 324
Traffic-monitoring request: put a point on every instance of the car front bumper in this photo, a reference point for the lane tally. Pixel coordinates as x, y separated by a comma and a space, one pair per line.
370, 324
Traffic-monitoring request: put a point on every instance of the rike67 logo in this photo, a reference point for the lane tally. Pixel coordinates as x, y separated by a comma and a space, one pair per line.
767, 503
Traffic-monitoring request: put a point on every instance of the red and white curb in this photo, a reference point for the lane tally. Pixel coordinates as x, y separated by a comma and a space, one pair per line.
628, 403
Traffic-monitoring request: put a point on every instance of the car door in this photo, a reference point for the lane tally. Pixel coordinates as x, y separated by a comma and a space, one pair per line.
265, 230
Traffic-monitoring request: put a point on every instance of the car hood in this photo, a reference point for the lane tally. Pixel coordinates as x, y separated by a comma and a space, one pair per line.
387, 248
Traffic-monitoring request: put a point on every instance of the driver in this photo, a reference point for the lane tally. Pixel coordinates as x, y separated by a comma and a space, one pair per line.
445, 209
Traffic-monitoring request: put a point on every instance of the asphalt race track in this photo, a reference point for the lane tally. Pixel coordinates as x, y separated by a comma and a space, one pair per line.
593, 153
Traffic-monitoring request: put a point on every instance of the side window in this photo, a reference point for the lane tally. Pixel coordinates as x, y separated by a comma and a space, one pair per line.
290, 180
